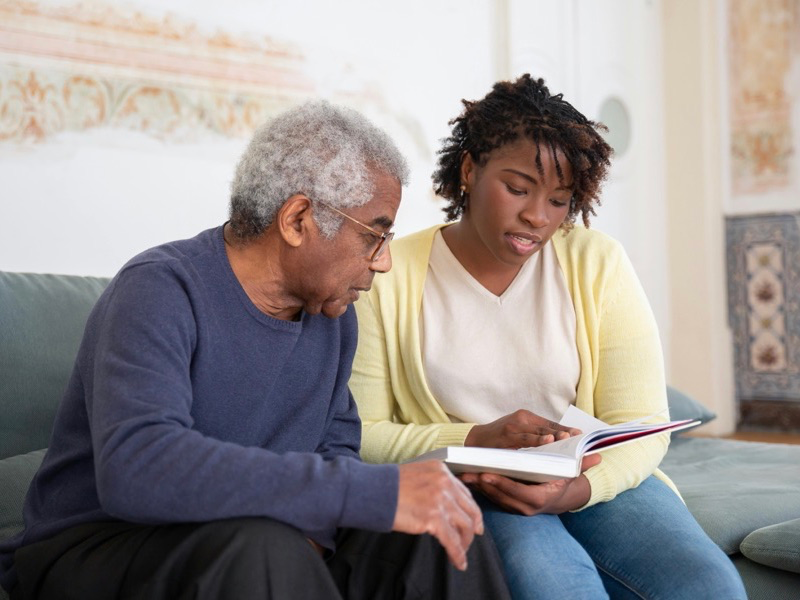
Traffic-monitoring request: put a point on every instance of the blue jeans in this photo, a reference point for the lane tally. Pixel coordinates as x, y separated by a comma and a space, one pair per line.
642, 544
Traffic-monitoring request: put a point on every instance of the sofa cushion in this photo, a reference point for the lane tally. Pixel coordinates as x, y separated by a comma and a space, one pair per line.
733, 488
766, 583
775, 546
682, 406
42, 318
16, 474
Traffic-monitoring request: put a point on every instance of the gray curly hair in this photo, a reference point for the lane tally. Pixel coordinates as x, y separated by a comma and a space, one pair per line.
324, 151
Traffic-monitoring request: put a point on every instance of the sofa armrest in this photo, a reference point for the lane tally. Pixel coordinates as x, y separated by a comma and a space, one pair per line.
16, 473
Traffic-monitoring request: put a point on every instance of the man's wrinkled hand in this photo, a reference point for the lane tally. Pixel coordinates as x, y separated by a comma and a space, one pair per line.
431, 500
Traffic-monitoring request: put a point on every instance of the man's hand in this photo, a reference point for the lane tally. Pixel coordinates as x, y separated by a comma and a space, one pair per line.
553, 497
431, 500
520, 429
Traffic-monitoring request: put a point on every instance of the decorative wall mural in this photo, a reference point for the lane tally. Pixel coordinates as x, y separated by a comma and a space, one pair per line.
90, 65
81, 66
763, 38
37, 103
764, 312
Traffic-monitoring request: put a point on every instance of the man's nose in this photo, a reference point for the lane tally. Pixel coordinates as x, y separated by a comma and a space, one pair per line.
383, 263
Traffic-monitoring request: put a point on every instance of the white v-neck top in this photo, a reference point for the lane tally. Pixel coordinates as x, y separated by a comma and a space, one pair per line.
486, 356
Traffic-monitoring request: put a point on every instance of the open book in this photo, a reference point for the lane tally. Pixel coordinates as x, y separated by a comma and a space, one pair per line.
557, 460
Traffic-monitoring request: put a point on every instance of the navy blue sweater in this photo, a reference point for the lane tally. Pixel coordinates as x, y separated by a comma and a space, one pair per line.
187, 403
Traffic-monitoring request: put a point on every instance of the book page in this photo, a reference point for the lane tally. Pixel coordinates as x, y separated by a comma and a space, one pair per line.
575, 417
571, 447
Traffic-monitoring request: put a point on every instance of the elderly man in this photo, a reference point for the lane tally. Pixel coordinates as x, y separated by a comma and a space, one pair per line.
207, 444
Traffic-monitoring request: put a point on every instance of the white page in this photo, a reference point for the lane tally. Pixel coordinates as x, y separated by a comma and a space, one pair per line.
575, 417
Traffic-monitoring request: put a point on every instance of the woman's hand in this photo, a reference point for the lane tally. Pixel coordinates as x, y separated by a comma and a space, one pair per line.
553, 497
520, 429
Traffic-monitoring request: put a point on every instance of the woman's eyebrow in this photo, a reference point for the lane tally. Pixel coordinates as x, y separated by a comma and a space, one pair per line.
532, 179
522, 174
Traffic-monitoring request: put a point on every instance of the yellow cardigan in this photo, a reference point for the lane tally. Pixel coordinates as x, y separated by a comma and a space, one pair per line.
622, 376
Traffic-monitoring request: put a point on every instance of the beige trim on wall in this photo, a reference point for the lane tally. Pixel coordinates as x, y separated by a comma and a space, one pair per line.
701, 362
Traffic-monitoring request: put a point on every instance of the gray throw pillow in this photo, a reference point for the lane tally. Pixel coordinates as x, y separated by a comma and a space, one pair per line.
682, 407
775, 546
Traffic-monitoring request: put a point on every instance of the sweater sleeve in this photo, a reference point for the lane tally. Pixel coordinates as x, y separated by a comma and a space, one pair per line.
343, 431
396, 426
630, 379
151, 466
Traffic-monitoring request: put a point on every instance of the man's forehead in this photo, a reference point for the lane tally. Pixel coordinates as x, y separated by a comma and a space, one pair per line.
377, 214
382, 207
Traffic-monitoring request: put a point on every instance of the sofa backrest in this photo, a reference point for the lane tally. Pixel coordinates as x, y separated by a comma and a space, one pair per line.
42, 318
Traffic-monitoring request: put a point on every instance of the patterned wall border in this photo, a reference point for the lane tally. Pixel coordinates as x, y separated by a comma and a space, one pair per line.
95, 64
38, 103
78, 67
764, 313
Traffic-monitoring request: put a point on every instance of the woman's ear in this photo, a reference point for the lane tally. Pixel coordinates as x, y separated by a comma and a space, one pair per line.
467, 170
294, 220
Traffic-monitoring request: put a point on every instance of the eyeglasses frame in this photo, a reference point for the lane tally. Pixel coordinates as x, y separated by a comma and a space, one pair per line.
383, 237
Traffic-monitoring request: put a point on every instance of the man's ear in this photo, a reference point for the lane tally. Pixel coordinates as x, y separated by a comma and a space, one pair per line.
294, 220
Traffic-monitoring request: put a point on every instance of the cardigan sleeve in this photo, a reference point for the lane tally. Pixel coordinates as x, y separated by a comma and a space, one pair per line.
629, 381
399, 420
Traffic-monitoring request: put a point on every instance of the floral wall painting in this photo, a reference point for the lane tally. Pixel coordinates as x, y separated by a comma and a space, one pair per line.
138, 115
764, 313
764, 47
74, 67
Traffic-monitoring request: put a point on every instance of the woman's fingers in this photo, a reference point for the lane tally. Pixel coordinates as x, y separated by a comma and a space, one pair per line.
526, 499
519, 429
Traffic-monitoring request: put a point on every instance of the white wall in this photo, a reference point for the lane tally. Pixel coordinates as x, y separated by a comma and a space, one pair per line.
702, 350
85, 202
592, 51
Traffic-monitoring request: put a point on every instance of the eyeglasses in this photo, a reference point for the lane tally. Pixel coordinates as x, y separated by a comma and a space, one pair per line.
383, 238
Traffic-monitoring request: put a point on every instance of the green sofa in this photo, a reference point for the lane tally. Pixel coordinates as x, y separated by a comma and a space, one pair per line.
41, 324
745, 495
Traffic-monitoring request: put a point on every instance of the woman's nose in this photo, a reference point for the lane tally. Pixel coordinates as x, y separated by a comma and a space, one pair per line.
535, 213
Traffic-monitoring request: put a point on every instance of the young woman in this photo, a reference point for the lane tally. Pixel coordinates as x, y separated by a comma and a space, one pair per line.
487, 329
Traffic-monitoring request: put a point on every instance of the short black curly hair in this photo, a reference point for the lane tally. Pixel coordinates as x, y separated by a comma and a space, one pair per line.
525, 108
